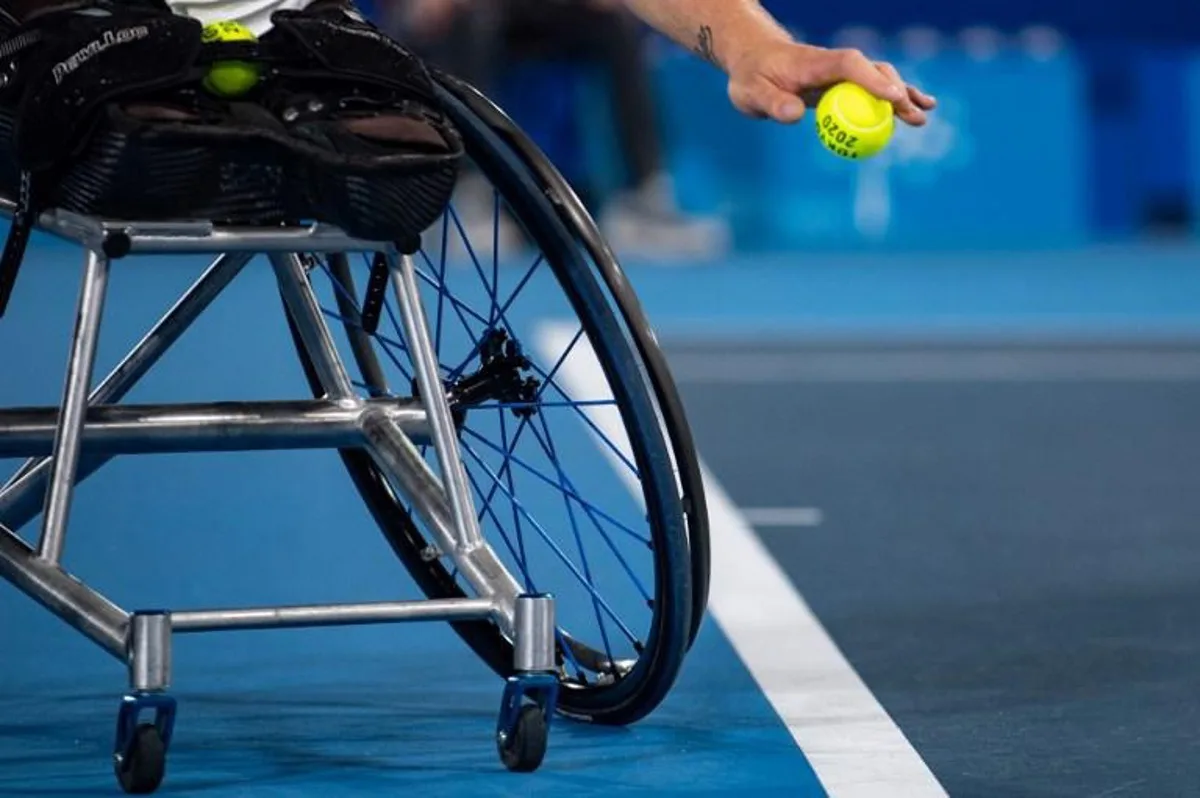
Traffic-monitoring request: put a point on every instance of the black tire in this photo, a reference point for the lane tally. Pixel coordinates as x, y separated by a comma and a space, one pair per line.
680, 541
140, 771
577, 218
523, 750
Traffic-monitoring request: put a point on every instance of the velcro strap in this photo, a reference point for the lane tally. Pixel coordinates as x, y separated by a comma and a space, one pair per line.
89, 57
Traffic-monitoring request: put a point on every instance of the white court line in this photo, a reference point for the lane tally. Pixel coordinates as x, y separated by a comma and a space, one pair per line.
854, 747
764, 517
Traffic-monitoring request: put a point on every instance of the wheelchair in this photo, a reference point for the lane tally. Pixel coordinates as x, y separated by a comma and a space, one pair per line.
444, 404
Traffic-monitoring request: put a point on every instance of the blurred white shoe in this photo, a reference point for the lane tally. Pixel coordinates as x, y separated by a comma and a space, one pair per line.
646, 223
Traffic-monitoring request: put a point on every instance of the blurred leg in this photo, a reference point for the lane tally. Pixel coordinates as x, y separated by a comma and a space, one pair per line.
572, 29
643, 219
473, 49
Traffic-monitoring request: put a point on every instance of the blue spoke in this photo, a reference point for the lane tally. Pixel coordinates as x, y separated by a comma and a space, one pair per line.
543, 478
524, 422
564, 485
345, 292
567, 485
535, 405
496, 242
508, 453
487, 511
504, 309
568, 654
525, 278
398, 341
387, 350
462, 233
457, 305
478, 266
337, 284
388, 342
548, 380
523, 565
507, 473
549, 376
391, 314
441, 305
554, 547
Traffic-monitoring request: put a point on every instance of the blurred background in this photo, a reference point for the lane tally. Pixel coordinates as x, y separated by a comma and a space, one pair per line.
954, 390
1061, 124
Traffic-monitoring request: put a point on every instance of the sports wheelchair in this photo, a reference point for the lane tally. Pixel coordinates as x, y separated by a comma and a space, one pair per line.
426, 381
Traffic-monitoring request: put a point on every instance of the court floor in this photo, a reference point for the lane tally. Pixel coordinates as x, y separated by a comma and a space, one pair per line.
967, 487
1000, 538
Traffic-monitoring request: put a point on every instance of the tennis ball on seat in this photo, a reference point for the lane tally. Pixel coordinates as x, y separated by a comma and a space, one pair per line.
852, 123
229, 78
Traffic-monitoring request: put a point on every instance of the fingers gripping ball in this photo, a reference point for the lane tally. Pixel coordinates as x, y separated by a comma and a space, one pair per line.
229, 78
852, 123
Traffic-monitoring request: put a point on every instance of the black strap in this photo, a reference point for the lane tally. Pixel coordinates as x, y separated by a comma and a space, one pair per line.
23, 221
376, 293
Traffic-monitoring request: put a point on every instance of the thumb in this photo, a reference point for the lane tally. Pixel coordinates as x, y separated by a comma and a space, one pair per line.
764, 100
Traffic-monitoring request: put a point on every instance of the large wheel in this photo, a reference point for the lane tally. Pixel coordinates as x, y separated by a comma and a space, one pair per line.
629, 570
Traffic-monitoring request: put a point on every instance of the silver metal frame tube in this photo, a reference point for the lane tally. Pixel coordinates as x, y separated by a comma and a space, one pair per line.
194, 237
332, 615
150, 652
68, 437
21, 497
398, 457
235, 426
386, 428
533, 635
310, 324
97, 618
433, 393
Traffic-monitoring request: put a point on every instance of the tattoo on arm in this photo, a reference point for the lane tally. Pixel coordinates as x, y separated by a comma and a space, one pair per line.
704, 45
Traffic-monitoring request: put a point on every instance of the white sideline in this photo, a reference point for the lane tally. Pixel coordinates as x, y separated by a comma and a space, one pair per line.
847, 737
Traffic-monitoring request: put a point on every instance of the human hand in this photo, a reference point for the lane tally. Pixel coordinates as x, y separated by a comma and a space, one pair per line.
779, 80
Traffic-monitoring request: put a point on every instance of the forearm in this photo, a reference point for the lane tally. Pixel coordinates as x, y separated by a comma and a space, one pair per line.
720, 31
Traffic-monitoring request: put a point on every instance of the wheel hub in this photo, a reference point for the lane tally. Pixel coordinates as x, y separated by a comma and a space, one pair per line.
502, 377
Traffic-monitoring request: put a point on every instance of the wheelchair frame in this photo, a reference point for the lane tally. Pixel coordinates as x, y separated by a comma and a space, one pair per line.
69, 443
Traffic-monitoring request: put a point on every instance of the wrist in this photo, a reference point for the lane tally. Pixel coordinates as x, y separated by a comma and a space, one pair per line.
744, 30
742, 46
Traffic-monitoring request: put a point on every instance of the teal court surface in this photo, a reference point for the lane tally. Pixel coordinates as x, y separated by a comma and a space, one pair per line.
953, 500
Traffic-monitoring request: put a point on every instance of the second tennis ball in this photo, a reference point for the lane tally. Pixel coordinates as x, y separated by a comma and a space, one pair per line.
229, 78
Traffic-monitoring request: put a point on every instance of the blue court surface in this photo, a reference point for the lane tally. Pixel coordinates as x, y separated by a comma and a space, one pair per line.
954, 503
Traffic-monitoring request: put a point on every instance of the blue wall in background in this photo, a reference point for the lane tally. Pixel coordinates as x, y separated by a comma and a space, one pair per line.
1154, 22
1029, 148
1192, 170
1006, 124
1098, 140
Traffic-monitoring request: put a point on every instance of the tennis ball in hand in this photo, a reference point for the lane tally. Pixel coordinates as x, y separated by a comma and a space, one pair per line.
229, 78
852, 123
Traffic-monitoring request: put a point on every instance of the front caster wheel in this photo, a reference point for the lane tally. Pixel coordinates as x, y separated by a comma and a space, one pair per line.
523, 749
140, 768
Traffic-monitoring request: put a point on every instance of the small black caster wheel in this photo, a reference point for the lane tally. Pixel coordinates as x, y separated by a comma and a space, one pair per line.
523, 749
141, 767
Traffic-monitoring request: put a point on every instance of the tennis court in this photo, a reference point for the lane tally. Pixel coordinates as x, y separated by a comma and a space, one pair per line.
972, 481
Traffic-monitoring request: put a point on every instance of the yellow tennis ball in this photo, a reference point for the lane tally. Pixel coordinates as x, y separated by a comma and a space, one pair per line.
852, 123
229, 78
